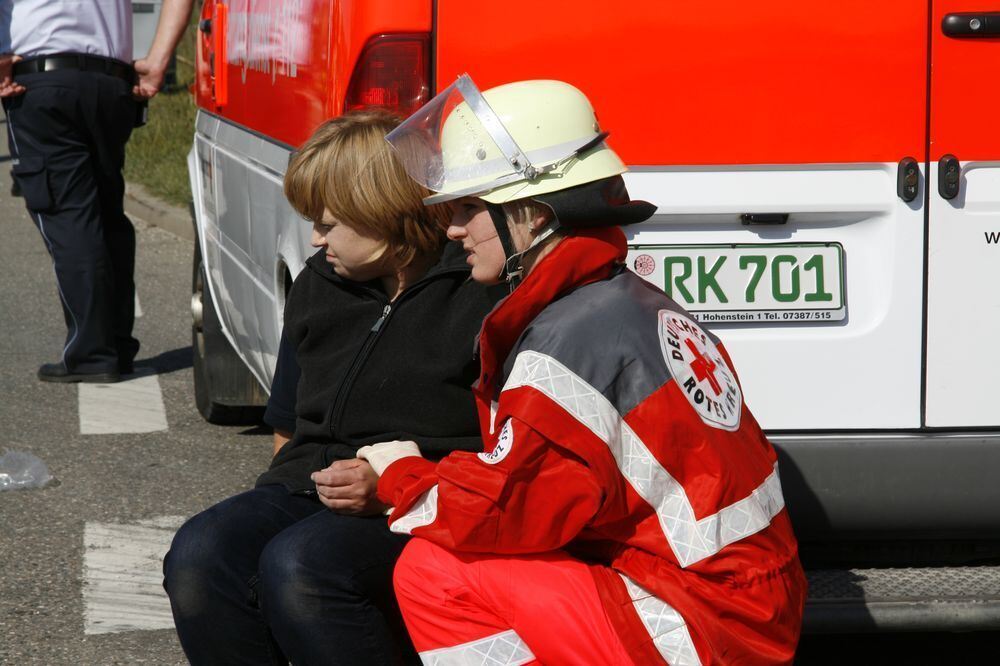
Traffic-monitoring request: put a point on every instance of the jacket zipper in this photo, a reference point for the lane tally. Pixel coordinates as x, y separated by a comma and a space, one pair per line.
337, 410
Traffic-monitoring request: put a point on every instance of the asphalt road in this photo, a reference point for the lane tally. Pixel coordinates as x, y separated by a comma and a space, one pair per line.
80, 558
52, 540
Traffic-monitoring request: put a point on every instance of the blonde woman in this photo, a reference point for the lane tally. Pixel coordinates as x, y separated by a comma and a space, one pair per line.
381, 324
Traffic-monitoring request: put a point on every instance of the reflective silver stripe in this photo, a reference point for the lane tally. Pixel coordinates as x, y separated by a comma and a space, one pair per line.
422, 513
16, 157
665, 626
544, 159
690, 539
503, 649
62, 296
479, 188
745, 517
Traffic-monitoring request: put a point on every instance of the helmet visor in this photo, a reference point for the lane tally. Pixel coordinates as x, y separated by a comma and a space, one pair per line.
456, 145
449, 144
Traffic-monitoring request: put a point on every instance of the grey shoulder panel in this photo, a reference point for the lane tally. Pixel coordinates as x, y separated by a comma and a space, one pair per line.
607, 334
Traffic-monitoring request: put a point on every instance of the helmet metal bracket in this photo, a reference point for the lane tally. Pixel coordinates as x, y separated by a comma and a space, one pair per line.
495, 127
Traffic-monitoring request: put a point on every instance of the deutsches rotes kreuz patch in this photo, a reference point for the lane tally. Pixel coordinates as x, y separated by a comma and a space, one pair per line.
700, 371
504, 443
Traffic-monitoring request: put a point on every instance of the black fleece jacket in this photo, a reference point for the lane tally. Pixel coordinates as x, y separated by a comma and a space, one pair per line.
374, 371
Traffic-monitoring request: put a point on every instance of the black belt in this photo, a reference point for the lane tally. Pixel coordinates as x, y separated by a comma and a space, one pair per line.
80, 62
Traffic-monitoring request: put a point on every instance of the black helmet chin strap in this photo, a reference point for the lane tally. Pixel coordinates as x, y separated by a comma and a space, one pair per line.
511, 275
513, 267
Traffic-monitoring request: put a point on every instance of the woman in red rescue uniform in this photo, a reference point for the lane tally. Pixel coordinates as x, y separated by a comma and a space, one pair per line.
628, 509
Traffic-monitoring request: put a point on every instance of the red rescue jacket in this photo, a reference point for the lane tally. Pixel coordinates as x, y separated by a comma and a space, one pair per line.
615, 428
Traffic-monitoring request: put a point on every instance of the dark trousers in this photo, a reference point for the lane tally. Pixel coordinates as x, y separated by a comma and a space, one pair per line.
265, 577
67, 136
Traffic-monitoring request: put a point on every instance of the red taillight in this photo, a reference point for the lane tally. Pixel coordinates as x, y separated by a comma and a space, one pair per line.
392, 72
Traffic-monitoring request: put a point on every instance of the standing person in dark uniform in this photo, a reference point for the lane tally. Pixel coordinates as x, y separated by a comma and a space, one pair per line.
72, 98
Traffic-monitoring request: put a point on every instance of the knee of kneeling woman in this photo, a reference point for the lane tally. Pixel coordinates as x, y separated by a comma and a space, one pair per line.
421, 564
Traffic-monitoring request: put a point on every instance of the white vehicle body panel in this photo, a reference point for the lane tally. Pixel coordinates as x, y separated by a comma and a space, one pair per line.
963, 301
811, 375
250, 236
861, 373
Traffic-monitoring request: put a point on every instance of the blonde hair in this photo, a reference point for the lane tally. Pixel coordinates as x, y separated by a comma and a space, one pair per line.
525, 211
347, 168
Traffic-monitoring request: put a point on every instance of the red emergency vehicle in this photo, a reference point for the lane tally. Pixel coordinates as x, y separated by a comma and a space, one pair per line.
827, 177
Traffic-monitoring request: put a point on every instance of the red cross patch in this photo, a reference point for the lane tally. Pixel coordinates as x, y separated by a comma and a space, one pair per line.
700, 371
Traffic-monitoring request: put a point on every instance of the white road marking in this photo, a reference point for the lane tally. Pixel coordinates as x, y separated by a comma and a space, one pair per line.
123, 575
133, 405
138, 308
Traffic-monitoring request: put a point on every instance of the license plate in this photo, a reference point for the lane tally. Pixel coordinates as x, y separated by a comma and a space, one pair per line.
770, 283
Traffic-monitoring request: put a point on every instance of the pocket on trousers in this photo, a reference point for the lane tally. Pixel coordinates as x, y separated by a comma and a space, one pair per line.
34, 183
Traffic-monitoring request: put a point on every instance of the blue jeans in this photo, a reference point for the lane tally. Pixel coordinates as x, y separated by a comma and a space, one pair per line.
266, 577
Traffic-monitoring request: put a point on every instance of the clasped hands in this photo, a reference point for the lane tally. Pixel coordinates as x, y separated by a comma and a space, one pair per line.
348, 486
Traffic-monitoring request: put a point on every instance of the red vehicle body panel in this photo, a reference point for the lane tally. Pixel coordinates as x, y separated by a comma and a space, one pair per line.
965, 99
692, 97
687, 83
289, 62
671, 91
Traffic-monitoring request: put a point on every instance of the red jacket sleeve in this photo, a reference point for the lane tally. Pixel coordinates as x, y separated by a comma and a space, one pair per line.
528, 495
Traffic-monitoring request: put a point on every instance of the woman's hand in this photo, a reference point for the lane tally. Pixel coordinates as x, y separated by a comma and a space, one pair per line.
348, 487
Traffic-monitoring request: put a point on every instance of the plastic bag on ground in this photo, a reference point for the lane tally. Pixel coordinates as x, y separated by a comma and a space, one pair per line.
20, 470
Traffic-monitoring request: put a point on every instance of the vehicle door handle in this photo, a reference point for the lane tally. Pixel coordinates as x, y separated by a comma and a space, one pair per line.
967, 25
949, 176
907, 179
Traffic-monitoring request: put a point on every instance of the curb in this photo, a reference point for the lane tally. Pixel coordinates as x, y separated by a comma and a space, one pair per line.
143, 206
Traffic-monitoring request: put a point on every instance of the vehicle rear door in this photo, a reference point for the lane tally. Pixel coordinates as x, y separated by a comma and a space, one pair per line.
963, 296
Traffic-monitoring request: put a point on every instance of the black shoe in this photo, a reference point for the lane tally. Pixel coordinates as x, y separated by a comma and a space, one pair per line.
125, 367
57, 372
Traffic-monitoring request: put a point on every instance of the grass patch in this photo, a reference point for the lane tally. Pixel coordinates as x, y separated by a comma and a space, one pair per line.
156, 155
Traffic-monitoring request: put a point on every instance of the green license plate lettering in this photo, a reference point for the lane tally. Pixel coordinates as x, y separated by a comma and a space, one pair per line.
707, 280
752, 282
684, 264
759, 263
792, 294
821, 294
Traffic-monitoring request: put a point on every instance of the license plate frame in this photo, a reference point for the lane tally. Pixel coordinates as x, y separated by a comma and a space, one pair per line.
807, 280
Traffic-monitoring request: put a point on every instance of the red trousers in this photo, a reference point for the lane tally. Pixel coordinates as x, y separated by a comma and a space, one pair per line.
466, 608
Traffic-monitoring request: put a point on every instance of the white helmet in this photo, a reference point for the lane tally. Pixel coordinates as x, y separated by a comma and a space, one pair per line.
537, 140
514, 141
